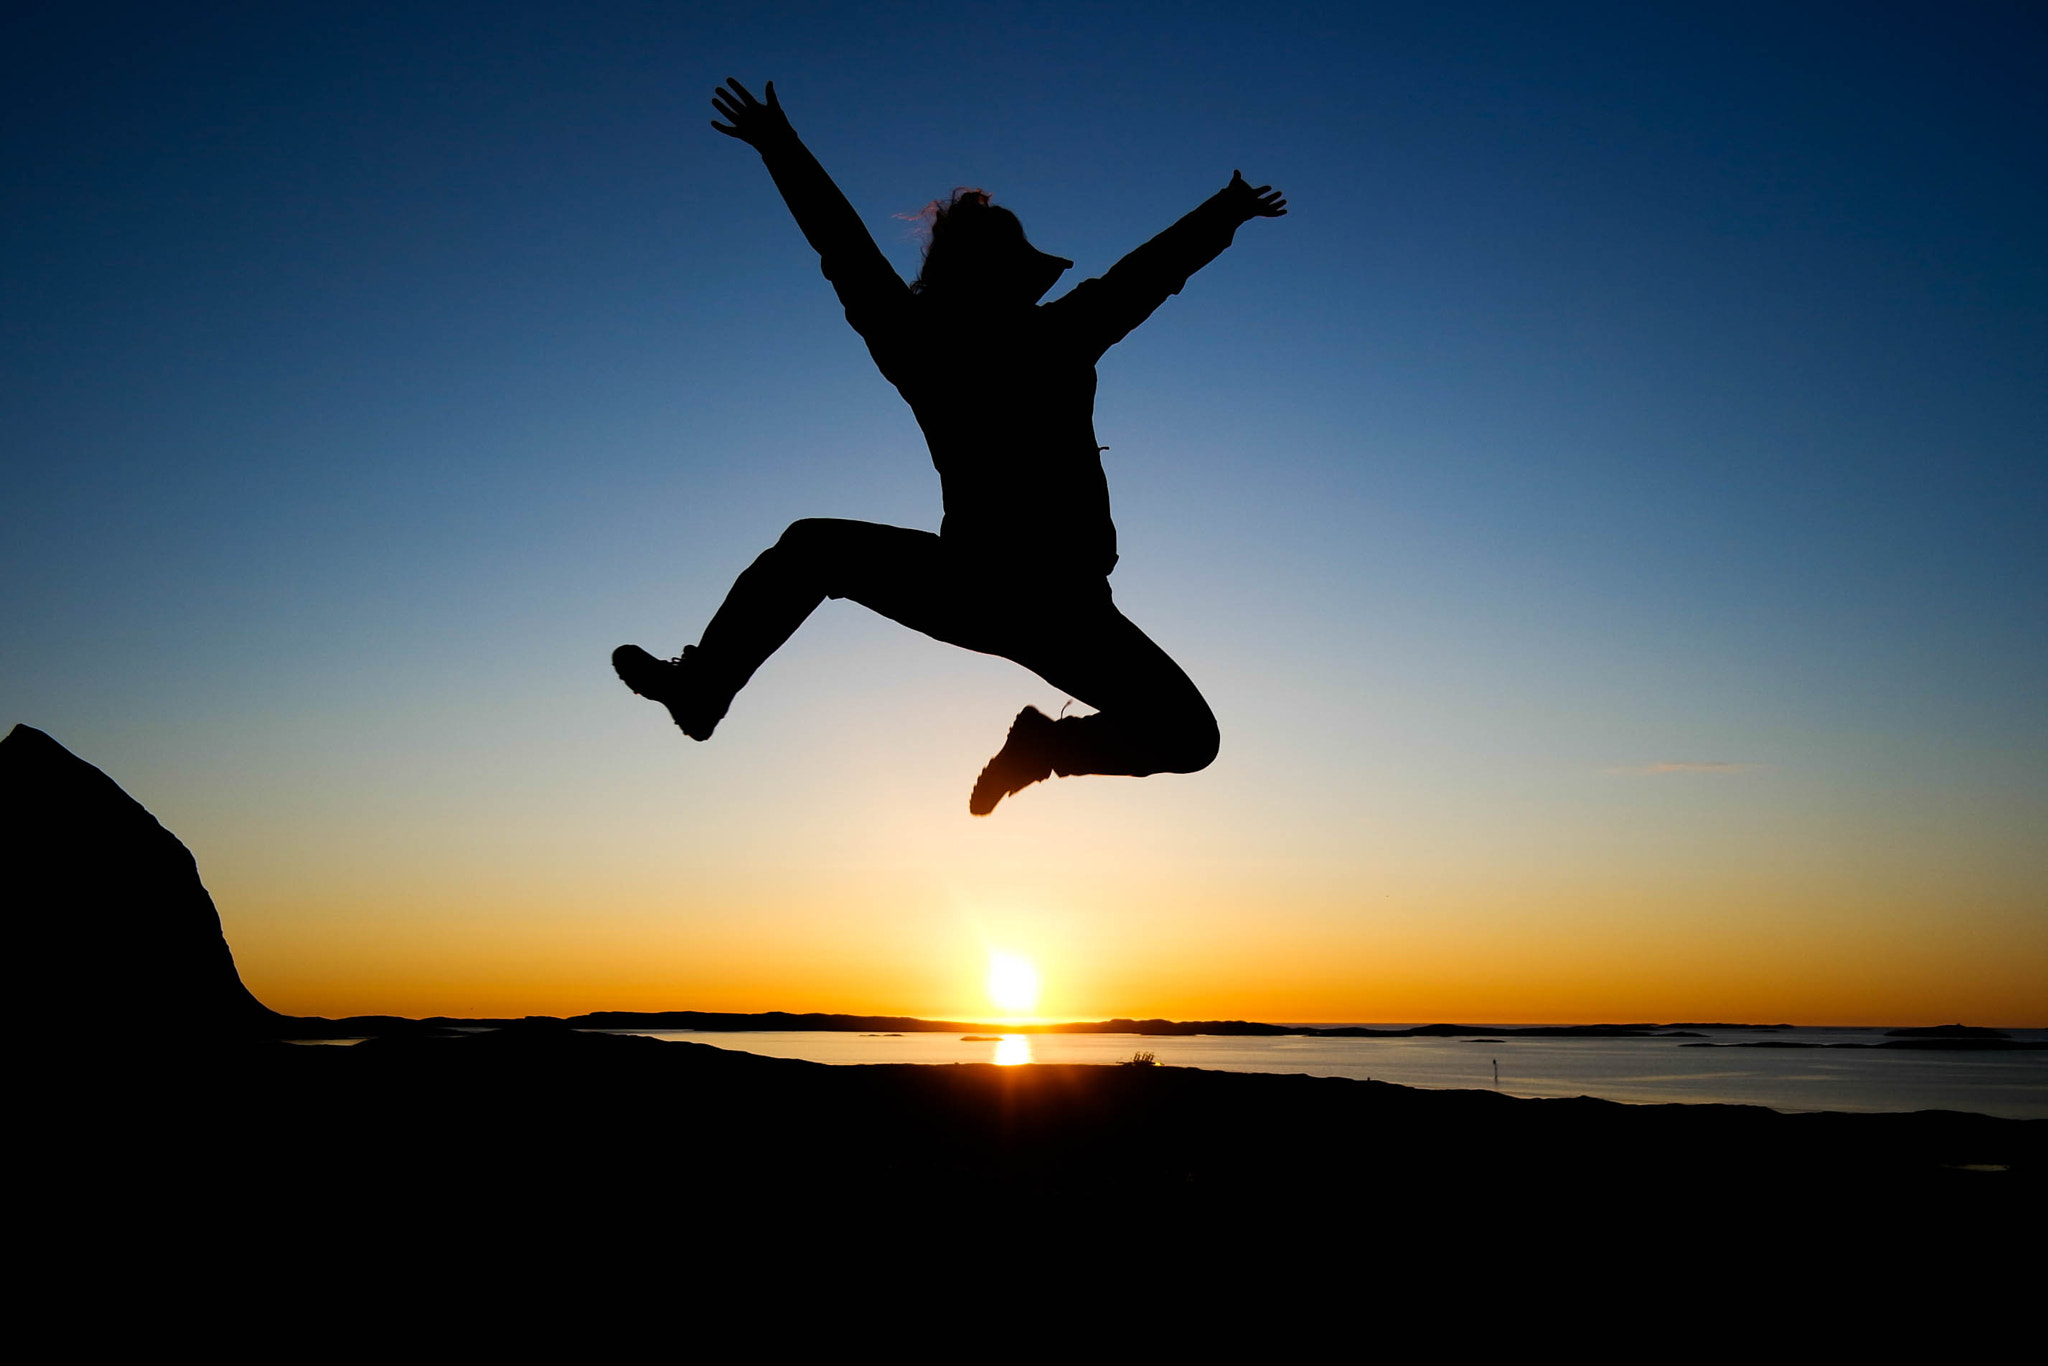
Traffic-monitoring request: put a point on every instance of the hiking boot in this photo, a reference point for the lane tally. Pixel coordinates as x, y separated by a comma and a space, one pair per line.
1025, 758
678, 684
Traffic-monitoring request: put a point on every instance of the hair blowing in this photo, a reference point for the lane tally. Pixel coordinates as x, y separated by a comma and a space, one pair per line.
957, 230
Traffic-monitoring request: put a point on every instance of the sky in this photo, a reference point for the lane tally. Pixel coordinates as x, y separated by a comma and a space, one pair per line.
1605, 513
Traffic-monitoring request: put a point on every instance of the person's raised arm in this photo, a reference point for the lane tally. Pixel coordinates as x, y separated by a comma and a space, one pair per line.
1105, 309
866, 283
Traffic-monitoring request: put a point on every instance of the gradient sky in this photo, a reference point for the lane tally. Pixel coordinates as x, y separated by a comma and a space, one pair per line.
1606, 513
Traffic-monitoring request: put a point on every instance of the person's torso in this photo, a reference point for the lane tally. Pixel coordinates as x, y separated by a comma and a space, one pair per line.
1008, 409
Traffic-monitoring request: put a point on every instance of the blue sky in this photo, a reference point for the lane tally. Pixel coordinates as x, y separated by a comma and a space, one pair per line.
1629, 387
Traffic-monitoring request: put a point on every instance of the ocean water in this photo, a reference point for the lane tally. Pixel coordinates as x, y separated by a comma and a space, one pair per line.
2013, 1085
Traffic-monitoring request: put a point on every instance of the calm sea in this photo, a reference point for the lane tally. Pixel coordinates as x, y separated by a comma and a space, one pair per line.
2014, 1085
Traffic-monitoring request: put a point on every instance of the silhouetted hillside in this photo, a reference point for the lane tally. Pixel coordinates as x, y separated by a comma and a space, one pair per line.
121, 932
1947, 1031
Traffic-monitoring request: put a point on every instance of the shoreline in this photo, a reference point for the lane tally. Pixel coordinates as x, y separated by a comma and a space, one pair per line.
723, 1022
553, 1113
1630, 1072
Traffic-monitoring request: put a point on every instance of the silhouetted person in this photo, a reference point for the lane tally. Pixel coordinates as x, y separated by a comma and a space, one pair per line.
1004, 388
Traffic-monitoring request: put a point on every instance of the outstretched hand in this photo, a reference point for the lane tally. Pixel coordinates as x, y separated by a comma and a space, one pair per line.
746, 118
1261, 202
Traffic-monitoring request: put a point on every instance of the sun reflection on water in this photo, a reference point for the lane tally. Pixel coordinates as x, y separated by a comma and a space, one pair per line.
1013, 1050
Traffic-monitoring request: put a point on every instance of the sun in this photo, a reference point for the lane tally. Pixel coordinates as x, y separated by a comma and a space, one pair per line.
1012, 983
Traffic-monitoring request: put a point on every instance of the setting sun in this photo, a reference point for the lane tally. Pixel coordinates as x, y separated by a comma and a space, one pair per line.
1012, 983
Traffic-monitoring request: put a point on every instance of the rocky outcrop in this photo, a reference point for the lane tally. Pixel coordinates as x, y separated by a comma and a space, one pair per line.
112, 926
1947, 1031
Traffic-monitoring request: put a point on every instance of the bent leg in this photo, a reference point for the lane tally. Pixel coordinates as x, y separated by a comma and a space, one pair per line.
817, 558
1149, 717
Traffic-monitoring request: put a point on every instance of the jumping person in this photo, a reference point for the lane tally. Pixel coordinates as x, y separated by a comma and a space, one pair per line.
1004, 389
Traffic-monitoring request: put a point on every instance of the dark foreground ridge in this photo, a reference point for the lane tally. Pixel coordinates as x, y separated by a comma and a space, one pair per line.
621, 1145
652, 1133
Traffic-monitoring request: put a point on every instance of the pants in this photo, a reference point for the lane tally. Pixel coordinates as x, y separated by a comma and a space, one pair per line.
1149, 718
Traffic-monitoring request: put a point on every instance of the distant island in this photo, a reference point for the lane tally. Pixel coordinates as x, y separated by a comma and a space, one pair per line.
1947, 1031
741, 1022
718, 1022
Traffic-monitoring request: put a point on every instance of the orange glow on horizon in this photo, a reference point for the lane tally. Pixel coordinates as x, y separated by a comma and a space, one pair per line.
1180, 934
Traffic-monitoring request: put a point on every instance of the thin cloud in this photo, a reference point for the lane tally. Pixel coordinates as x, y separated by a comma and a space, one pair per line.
1681, 766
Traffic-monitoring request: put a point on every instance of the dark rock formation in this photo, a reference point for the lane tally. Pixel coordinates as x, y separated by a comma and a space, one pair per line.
1236, 1028
1947, 1031
1721, 1024
120, 929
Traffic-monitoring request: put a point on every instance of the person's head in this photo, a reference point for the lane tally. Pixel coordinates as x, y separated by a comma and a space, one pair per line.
977, 253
